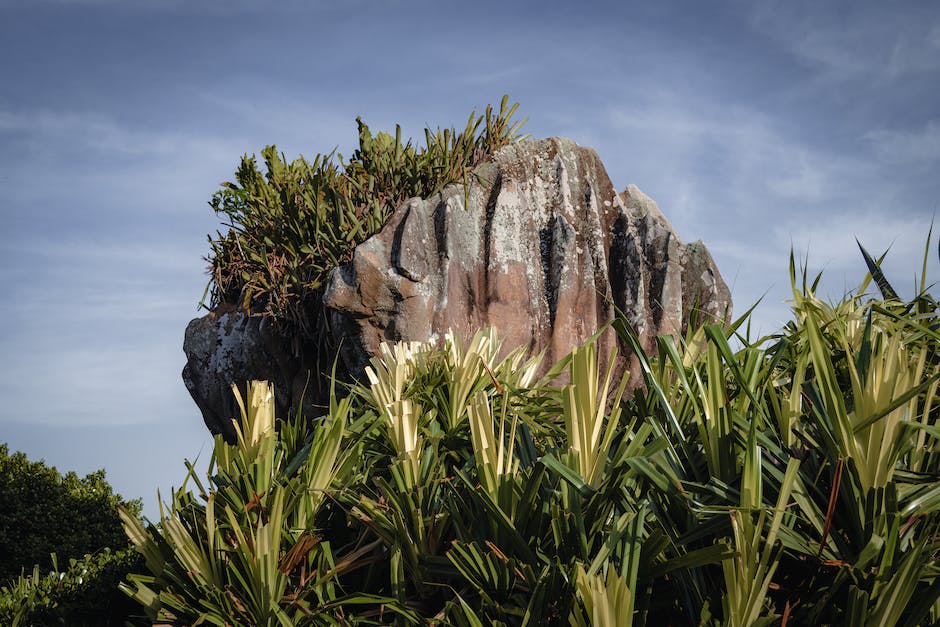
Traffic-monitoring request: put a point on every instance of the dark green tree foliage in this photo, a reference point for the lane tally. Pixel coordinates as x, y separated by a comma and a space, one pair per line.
46, 512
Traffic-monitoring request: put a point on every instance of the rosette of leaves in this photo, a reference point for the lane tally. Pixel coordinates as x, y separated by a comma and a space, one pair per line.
248, 548
792, 479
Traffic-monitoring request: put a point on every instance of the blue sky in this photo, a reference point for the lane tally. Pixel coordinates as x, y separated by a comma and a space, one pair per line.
756, 126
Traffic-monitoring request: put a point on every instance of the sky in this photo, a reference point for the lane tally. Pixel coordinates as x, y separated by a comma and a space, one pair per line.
756, 126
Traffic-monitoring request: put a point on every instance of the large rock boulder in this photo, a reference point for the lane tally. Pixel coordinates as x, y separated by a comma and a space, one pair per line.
538, 243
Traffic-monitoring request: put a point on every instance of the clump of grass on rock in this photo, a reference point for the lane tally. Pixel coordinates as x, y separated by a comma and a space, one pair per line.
289, 226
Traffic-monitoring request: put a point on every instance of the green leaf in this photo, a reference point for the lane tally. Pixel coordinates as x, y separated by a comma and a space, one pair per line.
551, 463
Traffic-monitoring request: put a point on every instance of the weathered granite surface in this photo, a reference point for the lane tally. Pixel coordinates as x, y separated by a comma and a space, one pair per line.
540, 245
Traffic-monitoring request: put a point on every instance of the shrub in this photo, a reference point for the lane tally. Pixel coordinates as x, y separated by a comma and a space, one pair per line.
85, 593
795, 480
45, 512
288, 227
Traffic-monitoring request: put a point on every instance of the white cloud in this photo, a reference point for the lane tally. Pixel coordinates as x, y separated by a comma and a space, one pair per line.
934, 37
59, 379
752, 186
93, 330
92, 333
829, 244
200, 8
756, 267
40, 251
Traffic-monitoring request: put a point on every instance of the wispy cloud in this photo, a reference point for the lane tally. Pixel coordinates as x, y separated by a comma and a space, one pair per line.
831, 238
854, 40
904, 147
91, 383
753, 185
44, 132
753, 157
200, 8
99, 285
92, 333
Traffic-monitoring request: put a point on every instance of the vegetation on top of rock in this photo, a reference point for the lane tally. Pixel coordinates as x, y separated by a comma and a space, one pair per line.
794, 480
288, 227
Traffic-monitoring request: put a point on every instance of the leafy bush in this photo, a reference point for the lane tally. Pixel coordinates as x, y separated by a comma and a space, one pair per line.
795, 480
291, 225
45, 512
83, 594
248, 551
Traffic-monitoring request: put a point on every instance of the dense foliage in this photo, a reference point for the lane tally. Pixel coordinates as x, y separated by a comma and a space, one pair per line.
289, 226
46, 512
83, 593
794, 480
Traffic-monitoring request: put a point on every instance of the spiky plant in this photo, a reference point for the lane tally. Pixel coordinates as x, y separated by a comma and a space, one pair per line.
247, 549
792, 480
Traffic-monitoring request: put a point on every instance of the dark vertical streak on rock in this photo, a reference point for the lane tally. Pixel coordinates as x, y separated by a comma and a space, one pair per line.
488, 232
397, 243
440, 230
547, 244
658, 269
618, 255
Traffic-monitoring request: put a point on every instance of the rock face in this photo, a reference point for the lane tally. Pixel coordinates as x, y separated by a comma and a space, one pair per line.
539, 244
227, 346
